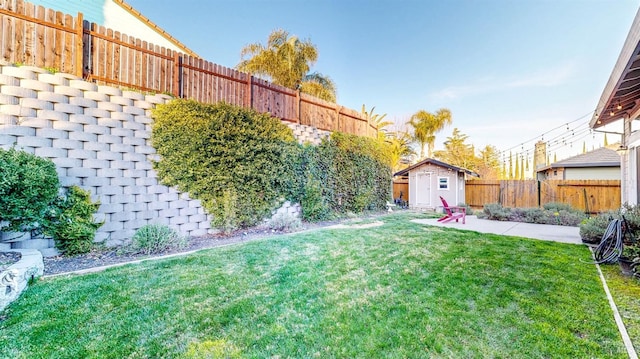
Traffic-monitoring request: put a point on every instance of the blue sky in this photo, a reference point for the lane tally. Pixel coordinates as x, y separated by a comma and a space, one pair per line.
510, 71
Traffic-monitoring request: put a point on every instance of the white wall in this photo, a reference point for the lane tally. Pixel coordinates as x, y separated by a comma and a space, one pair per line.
593, 173
454, 195
117, 18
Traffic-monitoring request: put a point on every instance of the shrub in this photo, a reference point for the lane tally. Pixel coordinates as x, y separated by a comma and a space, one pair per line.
73, 227
242, 165
632, 215
314, 205
495, 211
535, 215
284, 222
570, 218
207, 148
228, 220
28, 188
468, 210
592, 229
558, 206
154, 238
352, 171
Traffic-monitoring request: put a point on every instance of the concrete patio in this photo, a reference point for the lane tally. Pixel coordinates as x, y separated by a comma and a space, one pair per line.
563, 234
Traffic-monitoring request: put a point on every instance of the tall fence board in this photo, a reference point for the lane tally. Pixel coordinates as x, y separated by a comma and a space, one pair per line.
591, 196
36, 36
40, 37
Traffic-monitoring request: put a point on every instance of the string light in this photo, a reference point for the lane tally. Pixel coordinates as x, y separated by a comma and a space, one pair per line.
572, 132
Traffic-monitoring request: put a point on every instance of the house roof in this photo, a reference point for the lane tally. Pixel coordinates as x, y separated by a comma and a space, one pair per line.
155, 27
621, 96
405, 171
602, 157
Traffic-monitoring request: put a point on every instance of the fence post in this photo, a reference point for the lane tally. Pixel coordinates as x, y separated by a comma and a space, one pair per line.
79, 63
249, 95
88, 50
338, 119
177, 75
298, 113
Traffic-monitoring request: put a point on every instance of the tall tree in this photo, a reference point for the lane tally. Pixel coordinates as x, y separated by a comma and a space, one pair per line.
457, 152
426, 125
286, 61
399, 149
489, 163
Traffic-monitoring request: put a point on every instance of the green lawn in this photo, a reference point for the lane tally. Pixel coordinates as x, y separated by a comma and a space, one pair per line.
395, 291
626, 293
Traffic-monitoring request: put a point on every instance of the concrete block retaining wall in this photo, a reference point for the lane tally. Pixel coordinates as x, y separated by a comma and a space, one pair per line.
98, 137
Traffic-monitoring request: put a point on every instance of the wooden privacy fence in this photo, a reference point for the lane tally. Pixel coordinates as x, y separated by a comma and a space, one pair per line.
34, 35
591, 196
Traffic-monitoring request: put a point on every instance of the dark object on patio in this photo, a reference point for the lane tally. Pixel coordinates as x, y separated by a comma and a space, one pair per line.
452, 212
401, 202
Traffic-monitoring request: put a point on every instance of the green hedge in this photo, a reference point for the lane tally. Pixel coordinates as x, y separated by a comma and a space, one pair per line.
242, 165
234, 160
73, 227
28, 189
29, 201
351, 173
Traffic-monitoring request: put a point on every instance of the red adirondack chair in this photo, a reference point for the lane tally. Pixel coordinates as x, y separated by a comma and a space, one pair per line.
452, 212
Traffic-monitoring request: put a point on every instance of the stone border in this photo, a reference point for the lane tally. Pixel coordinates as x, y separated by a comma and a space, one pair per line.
15, 279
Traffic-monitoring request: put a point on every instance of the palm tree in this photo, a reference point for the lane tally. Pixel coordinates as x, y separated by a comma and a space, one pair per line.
377, 121
319, 86
399, 147
426, 125
286, 61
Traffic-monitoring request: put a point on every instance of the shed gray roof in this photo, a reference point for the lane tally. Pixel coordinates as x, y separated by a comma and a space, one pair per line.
602, 157
405, 171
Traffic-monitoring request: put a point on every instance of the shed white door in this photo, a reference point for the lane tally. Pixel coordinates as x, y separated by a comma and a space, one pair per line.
423, 190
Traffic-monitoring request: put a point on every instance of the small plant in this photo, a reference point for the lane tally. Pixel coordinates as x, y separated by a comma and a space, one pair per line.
285, 223
569, 218
28, 188
557, 207
52, 70
468, 209
73, 227
495, 211
631, 252
155, 238
592, 229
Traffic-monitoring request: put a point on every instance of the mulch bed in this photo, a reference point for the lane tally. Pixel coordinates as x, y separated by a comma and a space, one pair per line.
109, 256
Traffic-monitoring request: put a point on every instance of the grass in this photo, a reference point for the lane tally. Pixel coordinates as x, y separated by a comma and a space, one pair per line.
394, 291
625, 291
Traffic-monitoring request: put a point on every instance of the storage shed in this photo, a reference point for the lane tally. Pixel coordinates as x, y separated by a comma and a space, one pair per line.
429, 179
